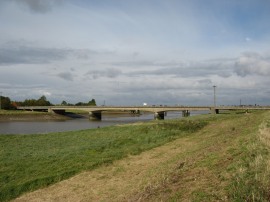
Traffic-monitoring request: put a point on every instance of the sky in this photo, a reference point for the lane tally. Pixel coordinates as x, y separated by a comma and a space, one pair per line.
130, 52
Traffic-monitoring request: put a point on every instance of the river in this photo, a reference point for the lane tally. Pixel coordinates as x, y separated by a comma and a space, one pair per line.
41, 127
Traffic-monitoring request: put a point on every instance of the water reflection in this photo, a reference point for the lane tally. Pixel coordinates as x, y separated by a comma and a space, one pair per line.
40, 127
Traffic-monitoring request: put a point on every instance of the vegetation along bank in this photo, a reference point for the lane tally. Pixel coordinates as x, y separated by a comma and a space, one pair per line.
207, 157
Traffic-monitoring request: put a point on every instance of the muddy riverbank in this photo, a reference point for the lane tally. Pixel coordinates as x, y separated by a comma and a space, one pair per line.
37, 116
45, 116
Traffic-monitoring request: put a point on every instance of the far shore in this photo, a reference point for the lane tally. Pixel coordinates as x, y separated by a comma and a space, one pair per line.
19, 115
32, 117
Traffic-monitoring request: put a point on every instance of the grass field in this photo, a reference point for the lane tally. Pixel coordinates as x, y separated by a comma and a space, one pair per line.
220, 157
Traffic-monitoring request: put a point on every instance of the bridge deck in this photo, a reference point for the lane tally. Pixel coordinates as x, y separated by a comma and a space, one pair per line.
160, 111
144, 108
117, 108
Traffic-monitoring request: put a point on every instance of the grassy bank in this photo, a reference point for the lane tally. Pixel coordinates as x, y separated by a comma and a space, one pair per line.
222, 157
228, 160
29, 162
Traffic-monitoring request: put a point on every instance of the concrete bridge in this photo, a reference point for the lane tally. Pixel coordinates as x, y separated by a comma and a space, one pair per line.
95, 112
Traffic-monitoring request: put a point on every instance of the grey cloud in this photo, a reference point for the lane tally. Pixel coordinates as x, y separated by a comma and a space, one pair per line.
21, 52
66, 76
109, 73
252, 63
39, 6
9, 86
85, 54
30, 55
142, 63
205, 82
220, 67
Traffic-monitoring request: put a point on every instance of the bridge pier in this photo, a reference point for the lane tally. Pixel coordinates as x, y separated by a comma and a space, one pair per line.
135, 111
214, 110
185, 113
159, 115
95, 116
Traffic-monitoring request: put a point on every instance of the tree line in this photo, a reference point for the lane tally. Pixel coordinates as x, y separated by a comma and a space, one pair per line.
7, 104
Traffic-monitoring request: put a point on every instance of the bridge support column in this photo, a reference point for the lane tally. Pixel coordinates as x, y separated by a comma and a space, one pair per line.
95, 116
185, 113
159, 115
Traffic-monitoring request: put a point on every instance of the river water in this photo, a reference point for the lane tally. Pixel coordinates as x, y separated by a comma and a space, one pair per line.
41, 127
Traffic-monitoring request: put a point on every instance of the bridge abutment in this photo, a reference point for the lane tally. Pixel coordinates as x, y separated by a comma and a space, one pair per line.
95, 116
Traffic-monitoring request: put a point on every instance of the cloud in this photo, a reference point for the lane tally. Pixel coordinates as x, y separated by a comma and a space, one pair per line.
25, 52
109, 73
13, 86
220, 67
252, 63
66, 76
30, 55
39, 6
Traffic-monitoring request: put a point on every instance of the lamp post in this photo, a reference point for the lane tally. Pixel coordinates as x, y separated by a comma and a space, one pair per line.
214, 96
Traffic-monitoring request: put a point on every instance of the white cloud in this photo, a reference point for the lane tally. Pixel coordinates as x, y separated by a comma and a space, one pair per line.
253, 63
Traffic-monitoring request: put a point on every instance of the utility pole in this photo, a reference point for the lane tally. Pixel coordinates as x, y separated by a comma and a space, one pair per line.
0, 100
214, 96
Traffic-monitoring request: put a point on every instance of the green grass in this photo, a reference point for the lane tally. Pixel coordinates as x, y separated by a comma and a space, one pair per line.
251, 179
229, 160
29, 162
231, 154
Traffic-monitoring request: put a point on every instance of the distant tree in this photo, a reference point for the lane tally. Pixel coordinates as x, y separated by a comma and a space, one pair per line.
6, 103
92, 102
14, 104
42, 101
80, 104
64, 103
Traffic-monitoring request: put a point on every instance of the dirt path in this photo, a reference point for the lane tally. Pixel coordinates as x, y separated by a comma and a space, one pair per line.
180, 168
